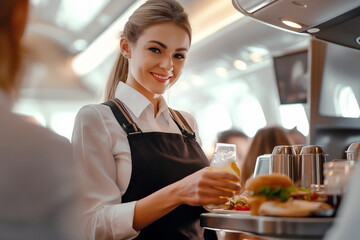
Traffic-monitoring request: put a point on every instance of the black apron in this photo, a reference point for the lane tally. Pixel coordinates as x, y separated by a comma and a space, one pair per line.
160, 159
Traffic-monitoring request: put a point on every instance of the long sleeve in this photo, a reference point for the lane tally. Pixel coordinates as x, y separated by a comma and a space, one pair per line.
106, 217
40, 190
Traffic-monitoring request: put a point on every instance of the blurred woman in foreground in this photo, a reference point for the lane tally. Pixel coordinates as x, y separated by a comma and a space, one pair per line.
38, 190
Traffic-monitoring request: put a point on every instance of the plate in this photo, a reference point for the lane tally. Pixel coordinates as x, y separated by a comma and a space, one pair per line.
224, 211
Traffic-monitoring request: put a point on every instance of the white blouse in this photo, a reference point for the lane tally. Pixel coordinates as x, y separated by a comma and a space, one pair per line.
102, 148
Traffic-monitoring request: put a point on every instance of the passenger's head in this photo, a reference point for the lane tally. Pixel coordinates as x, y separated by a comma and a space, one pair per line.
237, 137
296, 137
151, 13
13, 16
263, 142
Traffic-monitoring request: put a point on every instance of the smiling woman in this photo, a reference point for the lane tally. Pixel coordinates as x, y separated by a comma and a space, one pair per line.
147, 172
156, 60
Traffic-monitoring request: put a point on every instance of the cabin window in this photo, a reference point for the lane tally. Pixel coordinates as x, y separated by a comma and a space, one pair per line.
250, 115
63, 123
216, 118
30, 111
294, 115
345, 102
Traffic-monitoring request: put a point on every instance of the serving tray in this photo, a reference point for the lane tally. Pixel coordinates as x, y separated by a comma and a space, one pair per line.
281, 227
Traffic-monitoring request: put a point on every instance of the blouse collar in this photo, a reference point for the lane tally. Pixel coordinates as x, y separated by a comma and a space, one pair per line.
138, 103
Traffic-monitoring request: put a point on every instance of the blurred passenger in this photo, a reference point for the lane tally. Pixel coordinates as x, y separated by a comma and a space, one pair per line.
263, 142
237, 137
346, 225
38, 193
296, 137
147, 173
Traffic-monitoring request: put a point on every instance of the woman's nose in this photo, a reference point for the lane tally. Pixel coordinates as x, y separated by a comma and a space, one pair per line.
167, 64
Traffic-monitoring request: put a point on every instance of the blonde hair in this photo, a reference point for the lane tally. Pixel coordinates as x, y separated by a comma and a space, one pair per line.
150, 13
263, 142
9, 47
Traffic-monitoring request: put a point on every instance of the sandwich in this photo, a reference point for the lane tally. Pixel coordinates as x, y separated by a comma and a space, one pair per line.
272, 195
268, 187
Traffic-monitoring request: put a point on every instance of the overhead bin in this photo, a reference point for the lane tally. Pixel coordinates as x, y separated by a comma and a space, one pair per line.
335, 21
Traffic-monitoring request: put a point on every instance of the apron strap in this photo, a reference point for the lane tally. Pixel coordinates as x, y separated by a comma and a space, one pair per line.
182, 124
122, 116
130, 127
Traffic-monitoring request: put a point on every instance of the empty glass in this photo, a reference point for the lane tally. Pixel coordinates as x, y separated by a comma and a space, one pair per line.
353, 152
336, 175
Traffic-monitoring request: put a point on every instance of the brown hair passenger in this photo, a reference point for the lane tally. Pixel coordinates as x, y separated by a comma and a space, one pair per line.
263, 142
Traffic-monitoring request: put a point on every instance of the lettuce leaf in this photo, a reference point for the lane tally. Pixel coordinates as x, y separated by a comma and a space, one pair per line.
281, 193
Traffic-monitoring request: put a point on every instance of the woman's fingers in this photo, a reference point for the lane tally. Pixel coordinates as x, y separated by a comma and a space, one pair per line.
215, 191
223, 175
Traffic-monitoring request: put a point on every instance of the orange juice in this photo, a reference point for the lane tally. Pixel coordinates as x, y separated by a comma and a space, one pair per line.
229, 165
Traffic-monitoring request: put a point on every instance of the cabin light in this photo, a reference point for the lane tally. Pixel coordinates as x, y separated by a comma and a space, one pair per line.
313, 30
255, 57
221, 72
290, 23
240, 65
103, 46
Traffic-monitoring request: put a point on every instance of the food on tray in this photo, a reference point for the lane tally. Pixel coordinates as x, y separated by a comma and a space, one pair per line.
291, 208
238, 203
268, 187
274, 195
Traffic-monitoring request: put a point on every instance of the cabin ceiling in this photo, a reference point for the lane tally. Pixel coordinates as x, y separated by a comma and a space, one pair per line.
59, 30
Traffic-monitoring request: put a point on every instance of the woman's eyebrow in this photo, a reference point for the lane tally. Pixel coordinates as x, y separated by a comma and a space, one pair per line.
165, 47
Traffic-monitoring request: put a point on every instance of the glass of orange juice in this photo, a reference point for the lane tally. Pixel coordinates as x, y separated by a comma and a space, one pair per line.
224, 160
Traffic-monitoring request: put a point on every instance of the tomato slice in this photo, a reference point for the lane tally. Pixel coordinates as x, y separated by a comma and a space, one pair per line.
246, 208
238, 207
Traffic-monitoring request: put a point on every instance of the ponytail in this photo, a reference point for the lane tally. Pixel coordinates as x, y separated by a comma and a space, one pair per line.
118, 73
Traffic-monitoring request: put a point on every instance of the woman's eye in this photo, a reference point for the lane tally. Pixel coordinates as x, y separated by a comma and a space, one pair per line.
179, 56
155, 50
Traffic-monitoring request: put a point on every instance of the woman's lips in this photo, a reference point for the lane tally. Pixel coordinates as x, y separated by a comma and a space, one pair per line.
160, 77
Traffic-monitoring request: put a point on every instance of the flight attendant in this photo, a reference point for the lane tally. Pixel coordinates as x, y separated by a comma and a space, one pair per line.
146, 172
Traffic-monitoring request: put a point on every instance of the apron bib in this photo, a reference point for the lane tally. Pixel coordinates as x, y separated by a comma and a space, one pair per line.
160, 159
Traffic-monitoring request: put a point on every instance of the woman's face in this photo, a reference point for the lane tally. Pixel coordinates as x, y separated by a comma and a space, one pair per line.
157, 58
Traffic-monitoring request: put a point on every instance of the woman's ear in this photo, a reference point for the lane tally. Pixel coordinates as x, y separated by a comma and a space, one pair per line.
125, 48
19, 18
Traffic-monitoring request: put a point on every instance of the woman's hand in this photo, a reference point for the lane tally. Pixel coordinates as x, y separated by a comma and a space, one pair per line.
200, 188
205, 187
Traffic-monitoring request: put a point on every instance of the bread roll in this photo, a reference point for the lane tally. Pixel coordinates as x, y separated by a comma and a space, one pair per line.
291, 208
272, 180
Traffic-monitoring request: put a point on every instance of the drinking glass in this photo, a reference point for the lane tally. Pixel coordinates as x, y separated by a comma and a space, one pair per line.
336, 175
353, 152
224, 160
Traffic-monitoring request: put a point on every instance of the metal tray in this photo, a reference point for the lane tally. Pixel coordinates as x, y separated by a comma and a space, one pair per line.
284, 227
